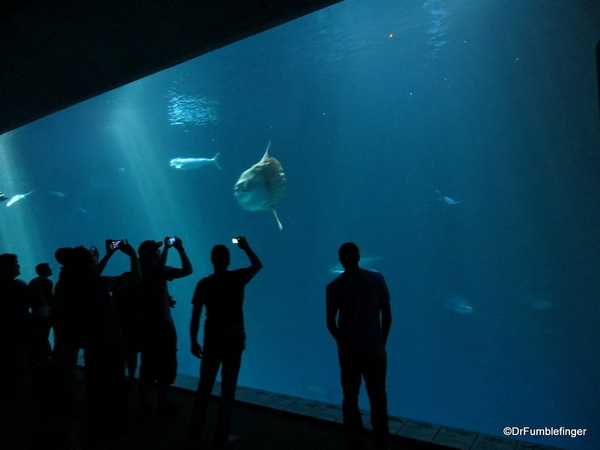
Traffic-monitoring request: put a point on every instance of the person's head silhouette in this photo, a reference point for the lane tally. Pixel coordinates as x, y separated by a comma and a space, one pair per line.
82, 260
220, 258
149, 253
43, 270
9, 266
349, 255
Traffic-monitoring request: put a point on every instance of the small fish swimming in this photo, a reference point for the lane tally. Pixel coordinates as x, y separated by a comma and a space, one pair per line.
447, 200
58, 194
536, 303
3, 197
193, 163
17, 197
458, 304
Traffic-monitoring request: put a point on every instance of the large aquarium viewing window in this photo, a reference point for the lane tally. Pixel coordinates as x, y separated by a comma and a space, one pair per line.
457, 143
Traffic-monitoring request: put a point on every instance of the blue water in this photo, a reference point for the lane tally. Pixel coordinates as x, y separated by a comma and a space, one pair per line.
378, 113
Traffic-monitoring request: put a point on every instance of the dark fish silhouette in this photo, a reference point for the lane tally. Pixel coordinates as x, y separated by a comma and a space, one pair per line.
262, 186
3, 197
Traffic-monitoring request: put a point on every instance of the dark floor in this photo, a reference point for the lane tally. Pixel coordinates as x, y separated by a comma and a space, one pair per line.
258, 428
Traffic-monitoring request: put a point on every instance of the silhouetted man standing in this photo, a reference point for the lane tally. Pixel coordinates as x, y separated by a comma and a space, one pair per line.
42, 292
15, 299
224, 337
155, 323
360, 301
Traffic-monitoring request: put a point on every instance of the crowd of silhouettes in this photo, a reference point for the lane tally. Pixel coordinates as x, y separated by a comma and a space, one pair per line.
111, 318
115, 319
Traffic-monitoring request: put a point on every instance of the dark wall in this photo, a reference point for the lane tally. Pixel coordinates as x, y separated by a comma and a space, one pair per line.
57, 53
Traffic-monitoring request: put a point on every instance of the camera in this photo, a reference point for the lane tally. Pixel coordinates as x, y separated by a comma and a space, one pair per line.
115, 244
234, 240
171, 241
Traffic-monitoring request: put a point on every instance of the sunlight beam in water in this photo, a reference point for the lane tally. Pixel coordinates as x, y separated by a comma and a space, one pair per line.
18, 228
162, 207
154, 201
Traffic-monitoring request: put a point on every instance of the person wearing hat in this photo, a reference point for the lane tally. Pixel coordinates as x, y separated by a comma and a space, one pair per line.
84, 315
157, 329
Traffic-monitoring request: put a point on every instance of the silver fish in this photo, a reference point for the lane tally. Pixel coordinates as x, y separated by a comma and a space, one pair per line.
193, 163
17, 197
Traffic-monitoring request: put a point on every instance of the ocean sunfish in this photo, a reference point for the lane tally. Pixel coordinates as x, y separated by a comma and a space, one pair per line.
193, 163
262, 186
17, 197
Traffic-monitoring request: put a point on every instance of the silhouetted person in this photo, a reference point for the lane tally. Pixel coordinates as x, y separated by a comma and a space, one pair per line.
224, 337
105, 350
360, 301
15, 300
54, 423
14, 342
67, 318
128, 305
69, 313
65, 313
42, 294
157, 329
82, 288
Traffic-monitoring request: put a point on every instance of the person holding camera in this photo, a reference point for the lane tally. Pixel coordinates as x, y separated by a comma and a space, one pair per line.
158, 337
84, 316
222, 293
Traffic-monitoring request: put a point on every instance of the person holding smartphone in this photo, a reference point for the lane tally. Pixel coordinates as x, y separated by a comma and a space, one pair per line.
158, 337
222, 293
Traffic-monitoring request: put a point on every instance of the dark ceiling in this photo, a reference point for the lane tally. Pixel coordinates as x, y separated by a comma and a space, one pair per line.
56, 53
